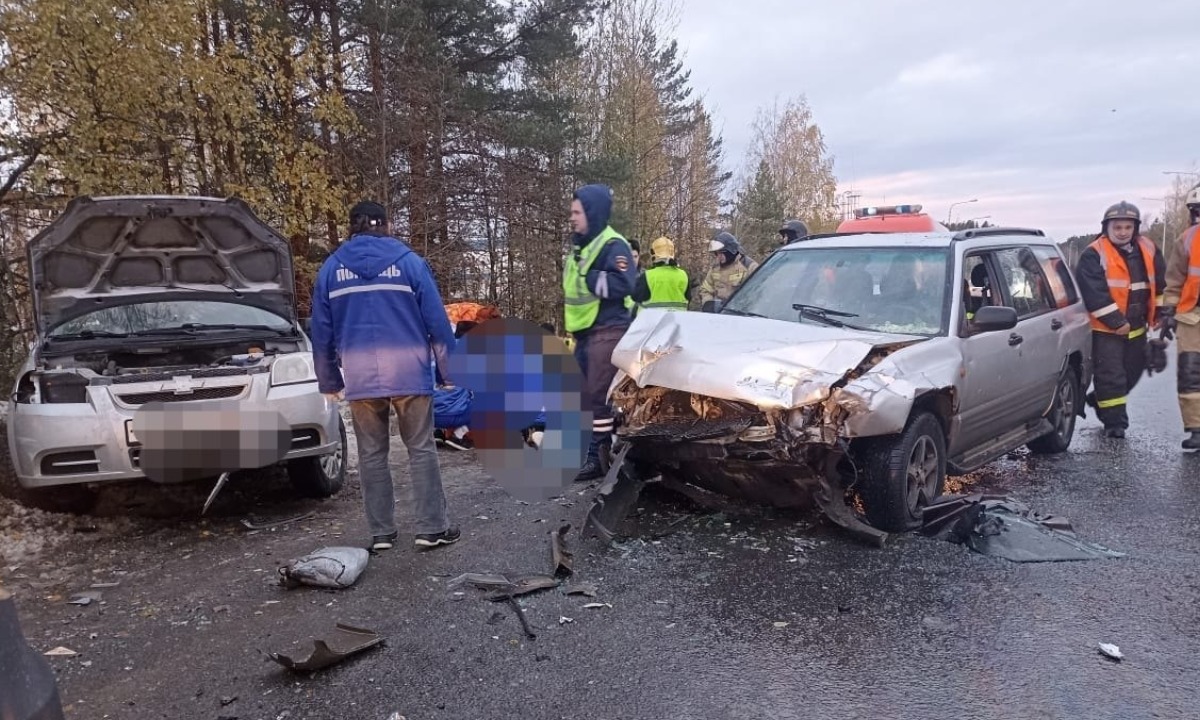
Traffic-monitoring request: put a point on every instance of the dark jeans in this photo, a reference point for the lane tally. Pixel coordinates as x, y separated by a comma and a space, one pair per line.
593, 351
1119, 365
414, 414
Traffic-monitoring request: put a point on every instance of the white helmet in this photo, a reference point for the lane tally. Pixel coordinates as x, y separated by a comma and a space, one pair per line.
1193, 198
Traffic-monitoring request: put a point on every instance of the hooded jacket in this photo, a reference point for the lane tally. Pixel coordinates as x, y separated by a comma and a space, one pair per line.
377, 309
613, 275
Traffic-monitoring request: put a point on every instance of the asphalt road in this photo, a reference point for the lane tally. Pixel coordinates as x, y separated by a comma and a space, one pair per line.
695, 606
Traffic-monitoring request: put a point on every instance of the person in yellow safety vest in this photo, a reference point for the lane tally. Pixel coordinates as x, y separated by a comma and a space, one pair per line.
1121, 279
731, 269
598, 277
665, 284
1181, 318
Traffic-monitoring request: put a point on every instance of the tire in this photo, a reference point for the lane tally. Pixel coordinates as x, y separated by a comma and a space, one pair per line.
73, 499
904, 473
1061, 415
321, 476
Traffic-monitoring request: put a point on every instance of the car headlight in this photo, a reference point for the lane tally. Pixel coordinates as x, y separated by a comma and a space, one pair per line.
293, 368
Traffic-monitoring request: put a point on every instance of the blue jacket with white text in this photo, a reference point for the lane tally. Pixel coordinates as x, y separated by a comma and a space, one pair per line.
377, 309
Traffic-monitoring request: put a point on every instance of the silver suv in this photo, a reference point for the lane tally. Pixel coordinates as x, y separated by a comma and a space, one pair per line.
873, 362
177, 313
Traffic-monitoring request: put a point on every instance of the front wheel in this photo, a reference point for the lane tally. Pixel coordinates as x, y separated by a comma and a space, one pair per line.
321, 476
903, 474
1061, 416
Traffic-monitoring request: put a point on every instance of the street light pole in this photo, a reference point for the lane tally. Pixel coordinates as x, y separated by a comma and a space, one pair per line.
950, 215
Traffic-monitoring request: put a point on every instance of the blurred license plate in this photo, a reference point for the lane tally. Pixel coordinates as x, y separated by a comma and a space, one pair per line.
129, 436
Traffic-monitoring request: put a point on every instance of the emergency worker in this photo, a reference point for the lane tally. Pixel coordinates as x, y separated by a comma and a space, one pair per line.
791, 231
598, 277
1181, 314
665, 285
1121, 279
732, 267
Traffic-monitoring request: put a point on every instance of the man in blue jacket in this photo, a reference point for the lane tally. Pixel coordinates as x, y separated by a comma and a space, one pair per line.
377, 312
598, 278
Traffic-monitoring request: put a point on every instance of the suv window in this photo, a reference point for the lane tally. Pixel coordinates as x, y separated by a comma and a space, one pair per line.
1061, 282
1027, 289
885, 289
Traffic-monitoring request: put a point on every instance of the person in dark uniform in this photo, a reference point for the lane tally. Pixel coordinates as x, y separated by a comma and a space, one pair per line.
598, 278
1122, 276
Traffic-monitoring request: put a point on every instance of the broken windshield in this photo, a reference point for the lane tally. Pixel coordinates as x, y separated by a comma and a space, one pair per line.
893, 290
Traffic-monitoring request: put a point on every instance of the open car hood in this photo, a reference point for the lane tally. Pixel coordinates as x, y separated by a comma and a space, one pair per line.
110, 251
772, 364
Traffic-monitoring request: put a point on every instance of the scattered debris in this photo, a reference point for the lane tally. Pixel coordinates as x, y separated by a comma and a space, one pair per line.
226, 701
250, 525
1111, 651
563, 620
512, 602
224, 478
597, 605
106, 585
479, 580
560, 557
581, 588
396, 716
524, 586
61, 651
343, 642
85, 598
331, 567
496, 618
999, 526
780, 624
614, 499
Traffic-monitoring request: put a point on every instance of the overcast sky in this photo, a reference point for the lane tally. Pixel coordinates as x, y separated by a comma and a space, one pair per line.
1046, 111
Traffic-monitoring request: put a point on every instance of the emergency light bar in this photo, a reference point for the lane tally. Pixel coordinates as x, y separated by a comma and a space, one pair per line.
887, 210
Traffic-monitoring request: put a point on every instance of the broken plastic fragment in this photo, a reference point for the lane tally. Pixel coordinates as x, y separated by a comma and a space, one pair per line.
343, 642
594, 606
1111, 651
61, 651
581, 588
564, 620
781, 624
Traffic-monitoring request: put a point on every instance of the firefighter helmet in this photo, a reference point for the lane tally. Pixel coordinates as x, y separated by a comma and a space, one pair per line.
796, 228
1123, 211
1193, 198
662, 249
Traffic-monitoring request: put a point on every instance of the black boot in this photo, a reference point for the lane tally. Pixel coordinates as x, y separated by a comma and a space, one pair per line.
1115, 432
1193, 442
591, 470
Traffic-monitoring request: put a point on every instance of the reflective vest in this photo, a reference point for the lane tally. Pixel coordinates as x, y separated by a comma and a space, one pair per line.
581, 306
1189, 295
1119, 285
668, 287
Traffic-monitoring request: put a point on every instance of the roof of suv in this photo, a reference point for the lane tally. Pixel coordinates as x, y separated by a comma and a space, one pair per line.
918, 239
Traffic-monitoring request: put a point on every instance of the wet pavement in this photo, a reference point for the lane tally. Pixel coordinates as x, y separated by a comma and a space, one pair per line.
755, 615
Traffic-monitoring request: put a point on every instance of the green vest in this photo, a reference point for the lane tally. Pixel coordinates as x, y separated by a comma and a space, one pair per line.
668, 287
580, 306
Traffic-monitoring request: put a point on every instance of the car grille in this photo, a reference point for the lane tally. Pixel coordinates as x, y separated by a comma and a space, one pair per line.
215, 393
70, 463
166, 376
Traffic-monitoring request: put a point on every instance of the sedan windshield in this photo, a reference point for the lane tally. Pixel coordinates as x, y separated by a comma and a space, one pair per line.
893, 290
184, 316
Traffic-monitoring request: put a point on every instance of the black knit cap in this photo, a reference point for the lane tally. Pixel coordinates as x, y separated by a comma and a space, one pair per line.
368, 209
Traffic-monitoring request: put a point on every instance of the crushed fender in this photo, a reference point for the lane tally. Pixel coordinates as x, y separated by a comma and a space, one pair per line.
336, 646
331, 567
1002, 527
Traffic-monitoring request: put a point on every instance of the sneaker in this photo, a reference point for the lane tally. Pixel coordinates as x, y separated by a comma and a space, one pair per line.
1115, 432
432, 540
384, 542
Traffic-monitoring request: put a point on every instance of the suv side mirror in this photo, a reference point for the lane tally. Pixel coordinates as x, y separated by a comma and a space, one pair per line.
991, 318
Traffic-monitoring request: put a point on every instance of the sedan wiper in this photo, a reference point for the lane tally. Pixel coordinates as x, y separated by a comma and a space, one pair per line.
742, 313
88, 335
820, 314
193, 328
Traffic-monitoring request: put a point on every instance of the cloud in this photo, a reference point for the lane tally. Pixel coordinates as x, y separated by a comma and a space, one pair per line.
940, 101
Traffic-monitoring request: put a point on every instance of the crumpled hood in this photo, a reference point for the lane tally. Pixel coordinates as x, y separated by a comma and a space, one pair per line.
772, 364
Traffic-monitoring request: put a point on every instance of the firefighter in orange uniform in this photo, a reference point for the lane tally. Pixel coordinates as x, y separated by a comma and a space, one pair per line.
1182, 316
1121, 278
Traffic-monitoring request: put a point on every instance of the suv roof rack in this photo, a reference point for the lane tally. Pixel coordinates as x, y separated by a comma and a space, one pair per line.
990, 231
820, 236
